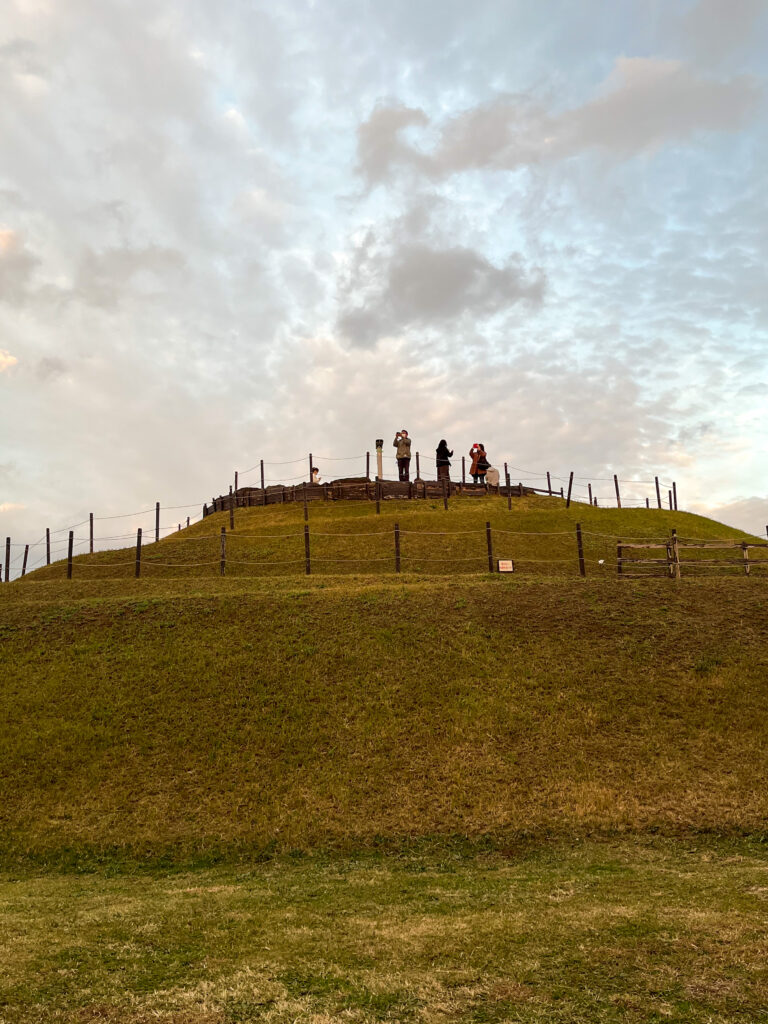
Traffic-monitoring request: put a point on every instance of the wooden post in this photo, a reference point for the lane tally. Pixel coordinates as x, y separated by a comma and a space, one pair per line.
8, 559
306, 509
674, 494
562, 495
618, 494
223, 562
506, 472
179, 527
310, 465
570, 485
445, 495
490, 546
619, 556
231, 513
48, 545
580, 549
367, 465
236, 481
509, 494
418, 468
261, 466
378, 497
647, 502
397, 547
157, 521
90, 516
595, 501
464, 474
658, 492
520, 489
307, 564
589, 488
26, 556
670, 500
70, 545
744, 549
549, 484
676, 554
187, 520
138, 553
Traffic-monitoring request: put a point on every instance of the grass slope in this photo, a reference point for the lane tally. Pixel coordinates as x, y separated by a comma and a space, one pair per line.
176, 719
349, 537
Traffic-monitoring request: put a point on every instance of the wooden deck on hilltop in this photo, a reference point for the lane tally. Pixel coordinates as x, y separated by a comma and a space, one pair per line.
362, 489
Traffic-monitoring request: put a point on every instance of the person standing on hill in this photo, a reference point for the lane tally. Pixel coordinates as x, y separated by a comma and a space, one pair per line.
443, 460
480, 463
403, 444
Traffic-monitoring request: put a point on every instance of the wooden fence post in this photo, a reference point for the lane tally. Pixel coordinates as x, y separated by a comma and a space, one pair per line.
490, 546
187, 520
549, 484
445, 495
310, 465
26, 556
397, 547
223, 561
378, 497
670, 500
619, 557
306, 508
520, 489
506, 471
261, 466
90, 516
70, 545
8, 559
618, 494
137, 572
236, 479
418, 468
307, 564
48, 545
157, 521
674, 494
647, 502
589, 488
231, 513
464, 474
744, 549
580, 549
367, 465
658, 492
509, 494
570, 485
676, 554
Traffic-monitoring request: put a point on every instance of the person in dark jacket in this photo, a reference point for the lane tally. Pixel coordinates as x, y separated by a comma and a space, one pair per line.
443, 460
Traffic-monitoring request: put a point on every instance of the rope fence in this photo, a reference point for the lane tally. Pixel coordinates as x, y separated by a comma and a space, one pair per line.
275, 485
490, 549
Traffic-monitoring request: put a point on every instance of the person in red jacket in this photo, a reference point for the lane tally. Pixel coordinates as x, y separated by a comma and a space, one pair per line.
480, 462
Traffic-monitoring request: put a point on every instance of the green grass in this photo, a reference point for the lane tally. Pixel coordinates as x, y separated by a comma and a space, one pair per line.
443, 795
579, 932
349, 537
167, 719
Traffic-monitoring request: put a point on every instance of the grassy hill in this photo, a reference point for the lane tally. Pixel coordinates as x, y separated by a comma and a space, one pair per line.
443, 795
193, 715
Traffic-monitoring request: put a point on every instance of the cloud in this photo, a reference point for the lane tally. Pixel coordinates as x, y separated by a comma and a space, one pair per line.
415, 285
713, 29
6, 360
11, 506
750, 514
644, 103
16, 267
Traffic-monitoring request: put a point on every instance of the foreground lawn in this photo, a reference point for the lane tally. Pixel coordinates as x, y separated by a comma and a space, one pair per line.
627, 930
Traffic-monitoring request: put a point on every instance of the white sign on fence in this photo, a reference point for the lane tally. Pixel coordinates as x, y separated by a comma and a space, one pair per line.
506, 565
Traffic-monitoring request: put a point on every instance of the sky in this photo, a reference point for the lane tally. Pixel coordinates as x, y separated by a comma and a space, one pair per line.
254, 230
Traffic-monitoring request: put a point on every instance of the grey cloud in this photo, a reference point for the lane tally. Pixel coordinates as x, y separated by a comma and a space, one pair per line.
17, 265
713, 29
104, 278
416, 285
645, 103
380, 145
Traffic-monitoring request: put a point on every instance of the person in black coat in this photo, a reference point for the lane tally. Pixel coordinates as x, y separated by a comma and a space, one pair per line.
443, 460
